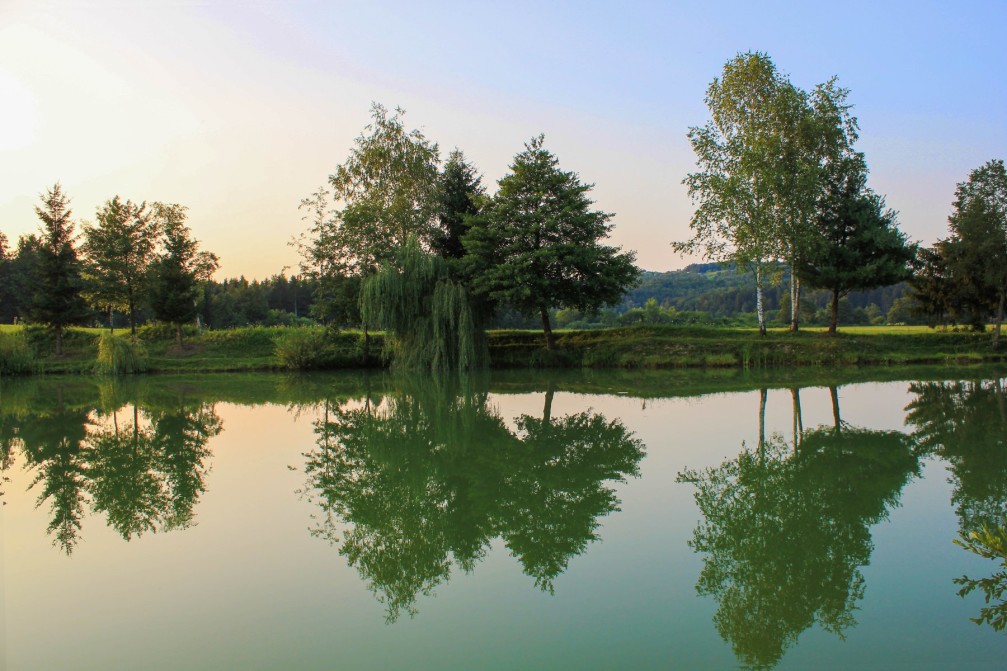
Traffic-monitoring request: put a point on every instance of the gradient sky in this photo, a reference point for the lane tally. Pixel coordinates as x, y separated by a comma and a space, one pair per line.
240, 109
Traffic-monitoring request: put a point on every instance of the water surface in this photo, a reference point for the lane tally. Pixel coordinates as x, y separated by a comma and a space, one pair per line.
534, 521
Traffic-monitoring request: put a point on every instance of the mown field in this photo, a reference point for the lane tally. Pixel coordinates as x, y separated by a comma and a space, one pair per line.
638, 347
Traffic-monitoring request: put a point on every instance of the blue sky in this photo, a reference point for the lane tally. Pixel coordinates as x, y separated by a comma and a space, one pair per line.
239, 110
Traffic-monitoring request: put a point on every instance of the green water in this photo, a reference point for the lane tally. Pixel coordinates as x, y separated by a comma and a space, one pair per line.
518, 521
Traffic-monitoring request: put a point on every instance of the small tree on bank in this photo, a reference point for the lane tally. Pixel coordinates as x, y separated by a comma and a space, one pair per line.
177, 269
538, 245
118, 250
57, 300
859, 246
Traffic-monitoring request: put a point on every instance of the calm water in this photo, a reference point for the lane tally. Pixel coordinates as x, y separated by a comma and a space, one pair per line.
514, 522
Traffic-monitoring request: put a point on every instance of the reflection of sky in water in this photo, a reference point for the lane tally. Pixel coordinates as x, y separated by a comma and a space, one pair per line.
247, 587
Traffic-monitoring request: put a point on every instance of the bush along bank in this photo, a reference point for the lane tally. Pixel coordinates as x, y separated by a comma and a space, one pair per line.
257, 348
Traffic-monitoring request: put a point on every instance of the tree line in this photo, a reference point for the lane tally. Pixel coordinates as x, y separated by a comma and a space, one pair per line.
399, 241
781, 191
425, 253
132, 256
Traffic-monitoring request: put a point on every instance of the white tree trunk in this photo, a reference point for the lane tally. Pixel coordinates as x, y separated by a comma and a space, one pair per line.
760, 308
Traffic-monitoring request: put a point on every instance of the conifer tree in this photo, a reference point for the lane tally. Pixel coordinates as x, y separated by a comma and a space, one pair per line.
57, 300
538, 245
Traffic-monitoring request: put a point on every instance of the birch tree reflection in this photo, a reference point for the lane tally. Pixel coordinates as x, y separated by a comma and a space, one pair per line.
424, 482
786, 528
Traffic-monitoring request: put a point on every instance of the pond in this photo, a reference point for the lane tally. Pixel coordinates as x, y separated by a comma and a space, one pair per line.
531, 520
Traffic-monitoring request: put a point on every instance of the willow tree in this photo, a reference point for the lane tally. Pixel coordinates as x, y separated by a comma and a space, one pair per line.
427, 314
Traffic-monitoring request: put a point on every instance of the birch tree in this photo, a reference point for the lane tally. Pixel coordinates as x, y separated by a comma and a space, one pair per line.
738, 182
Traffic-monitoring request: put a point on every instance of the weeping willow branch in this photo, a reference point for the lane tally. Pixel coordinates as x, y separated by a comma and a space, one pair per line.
428, 314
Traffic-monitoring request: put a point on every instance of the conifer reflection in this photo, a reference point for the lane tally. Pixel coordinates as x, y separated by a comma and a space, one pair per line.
965, 423
426, 480
786, 528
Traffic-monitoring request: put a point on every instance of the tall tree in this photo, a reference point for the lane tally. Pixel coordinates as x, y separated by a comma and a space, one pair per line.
739, 155
538, 245
118, 250
388, 191
979, 237
459, 198
817, 139
178, 269
860, 245
57, 299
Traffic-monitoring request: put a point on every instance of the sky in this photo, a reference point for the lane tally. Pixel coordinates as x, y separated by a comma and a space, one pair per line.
238, 110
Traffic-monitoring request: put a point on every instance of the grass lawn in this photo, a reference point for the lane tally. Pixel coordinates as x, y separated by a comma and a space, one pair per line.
254, 348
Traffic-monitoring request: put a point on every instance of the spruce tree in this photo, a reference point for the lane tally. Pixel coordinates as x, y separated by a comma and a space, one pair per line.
57, 300
538, 246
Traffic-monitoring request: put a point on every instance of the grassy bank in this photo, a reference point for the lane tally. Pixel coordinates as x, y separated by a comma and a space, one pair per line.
256, 349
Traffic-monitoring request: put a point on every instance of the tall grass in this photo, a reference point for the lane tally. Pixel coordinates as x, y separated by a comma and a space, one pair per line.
118, 356
16, 355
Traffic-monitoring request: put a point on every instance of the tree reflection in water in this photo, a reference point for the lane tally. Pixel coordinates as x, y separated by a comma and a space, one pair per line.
965, 423
428, 478
144, 474
786, 528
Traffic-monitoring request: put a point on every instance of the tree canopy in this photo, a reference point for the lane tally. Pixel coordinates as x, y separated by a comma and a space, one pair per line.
539, 244
57, 299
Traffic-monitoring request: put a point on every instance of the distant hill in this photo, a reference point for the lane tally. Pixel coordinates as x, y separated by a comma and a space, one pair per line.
721, 291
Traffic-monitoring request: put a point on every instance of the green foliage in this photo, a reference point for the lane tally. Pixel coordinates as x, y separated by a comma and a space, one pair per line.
429, 313
860, 245
785, 529
178, 269
538, 244
963, 279
16, 355
117, 252
307, 349
415, 484
119, 356
57, 300
460, 195
988, 544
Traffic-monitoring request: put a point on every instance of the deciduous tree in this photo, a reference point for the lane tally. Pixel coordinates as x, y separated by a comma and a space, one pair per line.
118, 250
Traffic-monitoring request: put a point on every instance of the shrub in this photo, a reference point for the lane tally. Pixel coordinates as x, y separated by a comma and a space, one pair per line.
118, 356
16, 356
305, 349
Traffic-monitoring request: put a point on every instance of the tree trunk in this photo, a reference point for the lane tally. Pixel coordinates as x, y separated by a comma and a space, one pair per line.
550, 339
763, 396
367, 345
59, 341
178, 334
795, 302
759, 307
111, 323
795, 395
838, 423
132, 320
547, 407
834, 312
